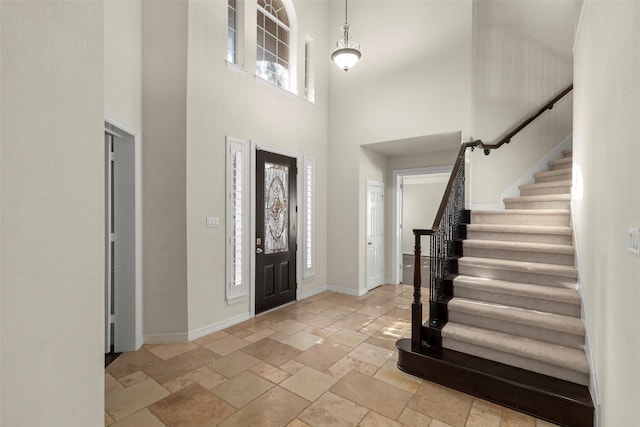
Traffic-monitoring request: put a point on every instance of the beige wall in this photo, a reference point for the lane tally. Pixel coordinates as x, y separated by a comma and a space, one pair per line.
521, 58
52, 198
164, 163
123, 62
193, 100
226, 102
421, 88
607, 198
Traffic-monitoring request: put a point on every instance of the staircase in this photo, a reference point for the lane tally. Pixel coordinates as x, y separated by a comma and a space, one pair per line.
515, 299
513, 332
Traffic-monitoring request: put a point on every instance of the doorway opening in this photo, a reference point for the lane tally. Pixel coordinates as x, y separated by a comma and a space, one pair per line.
123, 273
418, 193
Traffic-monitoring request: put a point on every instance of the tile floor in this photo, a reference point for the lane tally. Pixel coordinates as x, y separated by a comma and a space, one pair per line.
328, 360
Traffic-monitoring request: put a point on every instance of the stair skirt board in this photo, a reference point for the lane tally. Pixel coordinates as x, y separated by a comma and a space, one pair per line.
557, 401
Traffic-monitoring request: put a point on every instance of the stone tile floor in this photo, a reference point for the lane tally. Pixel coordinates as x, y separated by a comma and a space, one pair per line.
328, 360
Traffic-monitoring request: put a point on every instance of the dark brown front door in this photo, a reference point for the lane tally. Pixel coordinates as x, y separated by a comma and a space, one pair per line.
276, 231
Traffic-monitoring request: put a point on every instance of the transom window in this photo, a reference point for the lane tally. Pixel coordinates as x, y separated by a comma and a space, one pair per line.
232, 31
272, 52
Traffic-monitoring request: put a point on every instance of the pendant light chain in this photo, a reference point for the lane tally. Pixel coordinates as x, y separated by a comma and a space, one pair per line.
346, 21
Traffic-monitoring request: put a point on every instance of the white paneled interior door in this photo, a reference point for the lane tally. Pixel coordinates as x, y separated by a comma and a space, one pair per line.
375, 234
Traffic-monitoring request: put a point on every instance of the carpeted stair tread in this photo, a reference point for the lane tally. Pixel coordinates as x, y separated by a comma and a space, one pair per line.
526, 267
520, 233
567, 153
563, 357
551, 187
564, 295
519, 246
546, 201
529, 217
553, 175
561, 163
543, 198
503, 313
546, 253
520, 229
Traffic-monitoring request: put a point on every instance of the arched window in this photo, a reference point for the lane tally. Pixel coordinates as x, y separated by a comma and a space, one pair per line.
272, 50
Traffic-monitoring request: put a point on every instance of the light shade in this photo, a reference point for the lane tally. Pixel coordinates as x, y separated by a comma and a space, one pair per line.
346, 57
347, 51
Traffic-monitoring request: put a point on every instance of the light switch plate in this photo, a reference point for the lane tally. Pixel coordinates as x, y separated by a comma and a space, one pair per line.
633, 241
213, 222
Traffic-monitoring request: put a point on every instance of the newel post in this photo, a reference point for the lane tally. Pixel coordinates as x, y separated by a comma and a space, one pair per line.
416, 307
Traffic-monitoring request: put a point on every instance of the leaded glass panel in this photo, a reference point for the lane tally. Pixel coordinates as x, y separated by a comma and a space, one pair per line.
276, 208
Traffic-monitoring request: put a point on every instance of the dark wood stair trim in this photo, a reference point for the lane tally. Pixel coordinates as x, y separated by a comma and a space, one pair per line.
558, 401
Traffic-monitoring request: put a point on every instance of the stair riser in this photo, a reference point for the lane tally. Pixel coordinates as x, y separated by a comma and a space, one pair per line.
550, 204
520, 330
559, 219
517, 276
526, 256
545, 191
554, 239
520, 362
529, 303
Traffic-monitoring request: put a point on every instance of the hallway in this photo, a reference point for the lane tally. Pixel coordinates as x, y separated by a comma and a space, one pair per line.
327, 360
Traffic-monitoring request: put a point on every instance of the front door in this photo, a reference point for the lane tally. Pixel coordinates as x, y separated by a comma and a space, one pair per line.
276, 231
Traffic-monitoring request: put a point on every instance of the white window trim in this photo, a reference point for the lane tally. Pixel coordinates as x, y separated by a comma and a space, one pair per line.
309, 215
237, 292
309, 71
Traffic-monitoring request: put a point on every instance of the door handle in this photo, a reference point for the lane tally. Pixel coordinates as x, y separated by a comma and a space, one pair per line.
258, 250
370, 244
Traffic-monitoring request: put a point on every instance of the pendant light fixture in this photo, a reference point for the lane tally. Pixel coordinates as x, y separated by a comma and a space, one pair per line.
347, 51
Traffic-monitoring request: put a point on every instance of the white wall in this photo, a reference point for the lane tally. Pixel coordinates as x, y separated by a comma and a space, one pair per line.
607, 198
414, 79
521, 58
52, 198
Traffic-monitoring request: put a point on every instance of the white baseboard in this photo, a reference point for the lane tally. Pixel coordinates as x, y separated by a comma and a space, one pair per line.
346, 291
218, 326
315, 291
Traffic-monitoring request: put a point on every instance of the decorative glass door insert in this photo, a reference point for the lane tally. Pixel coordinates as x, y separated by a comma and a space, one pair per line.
276, 208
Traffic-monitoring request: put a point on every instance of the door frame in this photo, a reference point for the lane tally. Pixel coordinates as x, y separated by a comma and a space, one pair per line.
396, 213
252, 246
137, 141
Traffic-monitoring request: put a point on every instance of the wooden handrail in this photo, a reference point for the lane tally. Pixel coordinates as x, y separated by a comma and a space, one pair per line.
450, 185
507, 137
